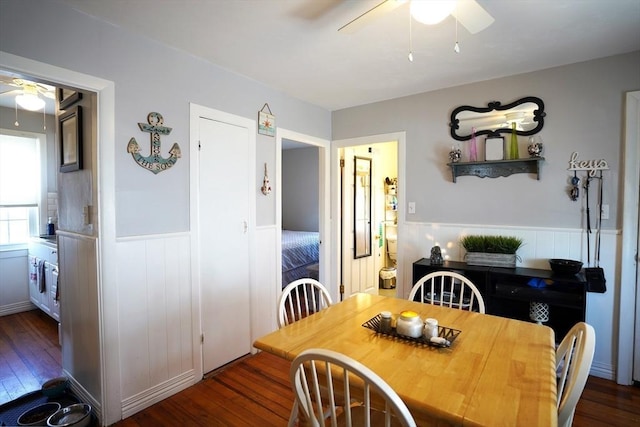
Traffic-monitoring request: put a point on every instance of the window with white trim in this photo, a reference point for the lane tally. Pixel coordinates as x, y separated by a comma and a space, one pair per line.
20, 192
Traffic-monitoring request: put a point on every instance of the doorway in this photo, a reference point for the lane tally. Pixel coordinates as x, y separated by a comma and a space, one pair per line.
363, 274
308, 185
224, 224
41, 207
107, 407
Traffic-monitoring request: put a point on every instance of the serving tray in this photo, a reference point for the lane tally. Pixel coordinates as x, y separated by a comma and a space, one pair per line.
447, 333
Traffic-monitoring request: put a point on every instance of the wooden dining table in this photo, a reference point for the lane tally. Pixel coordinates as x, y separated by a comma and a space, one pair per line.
497, 372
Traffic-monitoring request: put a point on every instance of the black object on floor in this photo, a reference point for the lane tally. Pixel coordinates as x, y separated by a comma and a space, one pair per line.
11, 411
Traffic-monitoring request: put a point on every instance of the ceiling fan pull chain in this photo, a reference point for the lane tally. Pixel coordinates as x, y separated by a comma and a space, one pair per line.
410, 40
16, 122
456, 47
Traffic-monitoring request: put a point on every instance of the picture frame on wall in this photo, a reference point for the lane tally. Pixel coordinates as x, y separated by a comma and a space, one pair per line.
70, 135
494, 148
67, 97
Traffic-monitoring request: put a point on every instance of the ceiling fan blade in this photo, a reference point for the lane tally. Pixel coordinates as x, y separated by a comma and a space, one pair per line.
370, 15
8, 92
470, 14
9, 82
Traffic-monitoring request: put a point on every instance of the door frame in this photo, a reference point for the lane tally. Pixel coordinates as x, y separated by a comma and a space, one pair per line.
629, 288
108, 330
195, 113
324, 217
336, 205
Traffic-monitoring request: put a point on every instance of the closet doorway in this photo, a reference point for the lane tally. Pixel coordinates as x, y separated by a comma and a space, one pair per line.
224, 223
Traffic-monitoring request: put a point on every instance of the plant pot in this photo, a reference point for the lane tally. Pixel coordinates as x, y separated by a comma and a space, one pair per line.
492, 260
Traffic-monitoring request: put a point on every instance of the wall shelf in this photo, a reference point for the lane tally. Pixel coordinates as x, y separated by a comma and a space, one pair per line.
496, 168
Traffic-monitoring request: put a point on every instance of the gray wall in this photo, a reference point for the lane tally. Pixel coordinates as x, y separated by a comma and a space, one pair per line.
300, 189
584, 104
152, 77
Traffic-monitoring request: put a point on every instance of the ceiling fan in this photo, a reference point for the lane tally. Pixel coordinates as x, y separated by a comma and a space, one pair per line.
28, 93
468, 12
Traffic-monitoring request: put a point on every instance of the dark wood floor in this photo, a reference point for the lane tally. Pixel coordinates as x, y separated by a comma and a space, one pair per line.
29, 353
254, 390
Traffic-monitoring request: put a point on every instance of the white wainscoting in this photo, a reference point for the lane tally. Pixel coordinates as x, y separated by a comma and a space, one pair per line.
264, 293
155, 318
416, 239
79, 320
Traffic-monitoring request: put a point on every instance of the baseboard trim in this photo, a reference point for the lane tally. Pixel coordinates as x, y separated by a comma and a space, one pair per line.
84, 395
17, 307
146, 398
602, 370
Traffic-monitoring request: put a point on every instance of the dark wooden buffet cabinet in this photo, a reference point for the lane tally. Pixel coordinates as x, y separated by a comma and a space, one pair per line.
507, 292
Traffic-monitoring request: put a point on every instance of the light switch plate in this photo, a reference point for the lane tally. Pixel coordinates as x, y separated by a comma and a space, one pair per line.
412, 207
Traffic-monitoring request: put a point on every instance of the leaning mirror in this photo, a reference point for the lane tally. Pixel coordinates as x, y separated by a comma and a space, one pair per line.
362, 207
528, 114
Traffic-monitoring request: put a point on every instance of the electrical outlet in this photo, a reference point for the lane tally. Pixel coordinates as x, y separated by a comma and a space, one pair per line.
605, 211
412, 207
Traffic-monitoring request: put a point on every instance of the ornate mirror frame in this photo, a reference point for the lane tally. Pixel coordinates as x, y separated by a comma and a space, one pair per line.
496, 118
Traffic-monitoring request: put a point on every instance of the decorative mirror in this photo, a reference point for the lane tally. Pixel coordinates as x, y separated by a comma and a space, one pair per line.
362, 207
528, 113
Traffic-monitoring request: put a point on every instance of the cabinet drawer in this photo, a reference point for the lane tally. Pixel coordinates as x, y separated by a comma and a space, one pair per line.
45, 252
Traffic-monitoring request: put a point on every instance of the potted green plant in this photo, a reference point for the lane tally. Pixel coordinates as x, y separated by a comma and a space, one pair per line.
495, 251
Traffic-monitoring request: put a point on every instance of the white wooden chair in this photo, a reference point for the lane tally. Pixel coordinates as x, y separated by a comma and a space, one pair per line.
573, 361
316, 369
301, 298
449, 289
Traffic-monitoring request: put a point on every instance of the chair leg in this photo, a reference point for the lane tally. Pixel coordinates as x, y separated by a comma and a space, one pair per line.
294, 414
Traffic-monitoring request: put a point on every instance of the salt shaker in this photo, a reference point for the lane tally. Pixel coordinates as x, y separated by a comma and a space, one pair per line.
430, 328
385, 322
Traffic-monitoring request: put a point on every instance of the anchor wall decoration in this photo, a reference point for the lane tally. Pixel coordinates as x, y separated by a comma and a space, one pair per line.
154, 162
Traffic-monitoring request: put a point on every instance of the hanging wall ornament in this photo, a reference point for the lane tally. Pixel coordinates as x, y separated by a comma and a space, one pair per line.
266, 186
266, 121
154, 162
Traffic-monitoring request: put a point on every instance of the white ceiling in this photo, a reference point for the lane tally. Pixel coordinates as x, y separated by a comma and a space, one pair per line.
294, 45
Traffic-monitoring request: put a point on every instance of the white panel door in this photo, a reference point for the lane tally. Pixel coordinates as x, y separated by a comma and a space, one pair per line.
359, 275
224, 241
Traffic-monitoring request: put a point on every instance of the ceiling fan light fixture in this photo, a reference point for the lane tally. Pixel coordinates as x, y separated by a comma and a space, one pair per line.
30, 102
431, 12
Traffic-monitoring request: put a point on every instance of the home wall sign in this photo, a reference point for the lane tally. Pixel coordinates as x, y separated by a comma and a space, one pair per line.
154, 162
266, 121
591, 166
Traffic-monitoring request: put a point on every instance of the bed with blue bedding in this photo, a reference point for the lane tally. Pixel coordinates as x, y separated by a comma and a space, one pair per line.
300, 250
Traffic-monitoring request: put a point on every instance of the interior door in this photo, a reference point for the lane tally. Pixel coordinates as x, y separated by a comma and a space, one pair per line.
223, 214
359, 274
